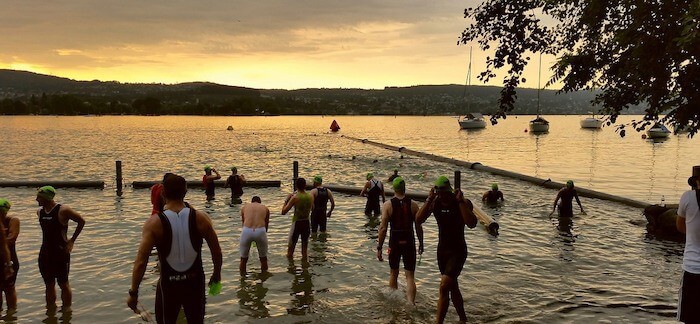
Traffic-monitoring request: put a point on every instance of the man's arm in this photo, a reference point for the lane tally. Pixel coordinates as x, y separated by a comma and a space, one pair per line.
330, 197
419, 227
500, 195
426, 209
5, 251
556, 200
364, 189
680, 223
486, 194
206, 229
578, 201
243, 214
14, 230
74, 216
242, 177
145, 247
383, 194
228, 182
267, 219
289, 205
386, 212
466, 208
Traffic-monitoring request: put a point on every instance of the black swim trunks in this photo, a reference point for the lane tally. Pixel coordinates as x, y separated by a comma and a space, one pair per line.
54, 265
300, 228
407, 252
451, 263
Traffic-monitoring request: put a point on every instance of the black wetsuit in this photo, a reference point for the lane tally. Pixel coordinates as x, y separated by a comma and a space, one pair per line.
493, 196
13, 255
209, 187
566, 206
54, 259
401, 240
452, 247
392, 177
373, 194
180, 289
318, 214
234, 181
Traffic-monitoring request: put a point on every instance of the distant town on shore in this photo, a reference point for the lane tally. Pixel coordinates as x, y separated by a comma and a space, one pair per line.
28, 93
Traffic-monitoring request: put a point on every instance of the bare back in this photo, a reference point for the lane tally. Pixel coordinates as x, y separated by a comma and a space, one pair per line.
255, 215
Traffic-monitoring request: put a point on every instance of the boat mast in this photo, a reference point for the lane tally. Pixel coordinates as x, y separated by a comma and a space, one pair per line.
539, 77
468, 82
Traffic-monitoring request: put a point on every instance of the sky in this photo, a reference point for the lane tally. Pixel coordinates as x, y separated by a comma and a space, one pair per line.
260, 44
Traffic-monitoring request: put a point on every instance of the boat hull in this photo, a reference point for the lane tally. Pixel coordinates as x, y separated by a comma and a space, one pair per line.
593, 123
536, 127
472, 124
657, 133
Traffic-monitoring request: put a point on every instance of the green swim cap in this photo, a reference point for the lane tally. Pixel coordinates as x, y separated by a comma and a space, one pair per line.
234, 169
318, 179
443, 182
207, 167
370, 175
570, 183
46, 192
399, 184
5, 205
494, 186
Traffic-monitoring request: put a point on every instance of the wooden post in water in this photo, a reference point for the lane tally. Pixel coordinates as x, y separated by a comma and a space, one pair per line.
296, 175
458, 179
119, 178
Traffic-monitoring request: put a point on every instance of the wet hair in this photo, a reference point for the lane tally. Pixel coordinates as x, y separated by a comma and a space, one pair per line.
301, 184
166, 175
174, 187
256, 199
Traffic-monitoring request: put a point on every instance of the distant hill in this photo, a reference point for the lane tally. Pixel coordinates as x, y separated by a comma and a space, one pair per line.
27, 92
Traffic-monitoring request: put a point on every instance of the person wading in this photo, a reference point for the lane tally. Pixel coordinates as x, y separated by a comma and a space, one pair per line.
177, 233
567, 195
10, 231
302, 202
321, 195
255, 218
235, 181
452, 211
400, 212
208, 182
373, 189
688, 222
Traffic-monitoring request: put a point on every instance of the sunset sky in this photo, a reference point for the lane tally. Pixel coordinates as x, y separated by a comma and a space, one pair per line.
260, 44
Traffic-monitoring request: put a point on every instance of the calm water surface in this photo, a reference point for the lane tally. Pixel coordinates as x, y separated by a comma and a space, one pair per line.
599, 267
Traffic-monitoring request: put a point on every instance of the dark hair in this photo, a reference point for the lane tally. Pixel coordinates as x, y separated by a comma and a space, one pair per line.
174, 187
256, 199
301, 184
166, 175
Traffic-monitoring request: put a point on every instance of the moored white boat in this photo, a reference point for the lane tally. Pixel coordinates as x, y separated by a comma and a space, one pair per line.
658, 131
472, 121
591, 122
539, 125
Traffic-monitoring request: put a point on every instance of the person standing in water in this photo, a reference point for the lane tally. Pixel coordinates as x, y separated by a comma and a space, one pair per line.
10, 226
177, 233
302, 202
400, 212
255, 218
208, 182
54, 255
373, 189
567, 195
452, 211
688, 222
394, 176
235, 182
321, 195
492, 196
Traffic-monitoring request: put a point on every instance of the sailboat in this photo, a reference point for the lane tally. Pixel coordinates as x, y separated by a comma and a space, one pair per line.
471, 120
539, 124
592, 122
658, 131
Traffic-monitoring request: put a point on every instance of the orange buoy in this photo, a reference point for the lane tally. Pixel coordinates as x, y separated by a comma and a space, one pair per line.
334, 126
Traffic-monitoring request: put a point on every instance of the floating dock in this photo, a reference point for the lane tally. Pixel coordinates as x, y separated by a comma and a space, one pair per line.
55, 184
218, 183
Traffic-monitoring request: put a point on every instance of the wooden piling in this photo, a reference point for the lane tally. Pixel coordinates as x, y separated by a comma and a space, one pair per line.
295, 172
119, 179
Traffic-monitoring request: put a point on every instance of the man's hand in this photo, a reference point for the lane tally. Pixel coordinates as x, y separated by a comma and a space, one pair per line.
459, 195
583, 212
550, 214
420, 248
7, 273
214, 278
328, 215
69, 245
132, 302
379, 255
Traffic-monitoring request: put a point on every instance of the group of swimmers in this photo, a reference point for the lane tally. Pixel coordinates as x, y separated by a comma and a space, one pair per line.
178, 231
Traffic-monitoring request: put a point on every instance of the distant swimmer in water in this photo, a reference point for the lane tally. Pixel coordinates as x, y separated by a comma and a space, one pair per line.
54, 255
452, 212
235, 182
255, 218
373, 189
302, 202
8, 276
567, 195
492, 196
400, 213
394, 176
321, 195
208, 182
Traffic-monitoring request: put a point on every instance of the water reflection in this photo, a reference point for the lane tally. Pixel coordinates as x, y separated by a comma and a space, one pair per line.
594, 156
371, 227
66, 314
251, 296
537, 154
302, 289
565, 228
318, 247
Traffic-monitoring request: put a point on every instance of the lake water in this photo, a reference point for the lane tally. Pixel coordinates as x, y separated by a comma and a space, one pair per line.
599, 267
